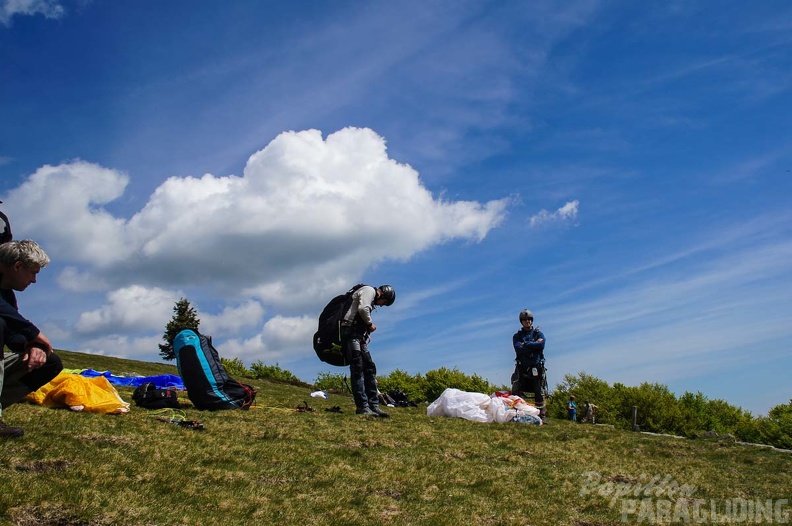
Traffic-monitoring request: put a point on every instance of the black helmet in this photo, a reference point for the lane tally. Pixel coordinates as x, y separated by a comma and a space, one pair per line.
387, 294
525, 314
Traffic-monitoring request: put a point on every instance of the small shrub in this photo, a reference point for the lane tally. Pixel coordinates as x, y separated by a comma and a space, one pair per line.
776, 428
272, 372
413, 386
331, 382
438, 380
585, 387
235, 367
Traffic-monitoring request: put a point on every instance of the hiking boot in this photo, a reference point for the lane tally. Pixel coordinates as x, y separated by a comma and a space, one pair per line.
379, 412
365, 411
7, 431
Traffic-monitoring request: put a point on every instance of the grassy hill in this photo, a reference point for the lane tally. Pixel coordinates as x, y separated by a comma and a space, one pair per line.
275, 465
119, 366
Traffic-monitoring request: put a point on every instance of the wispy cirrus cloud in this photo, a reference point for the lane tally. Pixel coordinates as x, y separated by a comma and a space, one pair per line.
566, 214
47, 8
691, 313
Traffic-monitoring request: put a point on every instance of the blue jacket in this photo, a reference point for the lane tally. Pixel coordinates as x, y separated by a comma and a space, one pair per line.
529, 350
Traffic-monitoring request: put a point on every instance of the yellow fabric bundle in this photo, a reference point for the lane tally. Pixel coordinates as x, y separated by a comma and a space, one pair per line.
79, 393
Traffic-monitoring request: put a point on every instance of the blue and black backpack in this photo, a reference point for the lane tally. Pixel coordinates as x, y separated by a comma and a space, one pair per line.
208, 385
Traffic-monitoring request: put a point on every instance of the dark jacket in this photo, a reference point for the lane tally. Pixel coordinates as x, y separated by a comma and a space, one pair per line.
20, 330
529, 350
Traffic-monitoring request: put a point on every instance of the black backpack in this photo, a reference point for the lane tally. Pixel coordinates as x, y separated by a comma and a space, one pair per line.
400, 399
327, 338
5, 236
148, 396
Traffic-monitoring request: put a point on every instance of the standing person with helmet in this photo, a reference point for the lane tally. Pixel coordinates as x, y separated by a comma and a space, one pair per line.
529, 372
356, 326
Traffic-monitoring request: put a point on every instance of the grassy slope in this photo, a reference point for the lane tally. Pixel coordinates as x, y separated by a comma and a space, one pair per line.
273, 465
119, 366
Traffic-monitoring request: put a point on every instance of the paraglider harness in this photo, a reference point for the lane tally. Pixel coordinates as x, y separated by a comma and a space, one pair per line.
532, 372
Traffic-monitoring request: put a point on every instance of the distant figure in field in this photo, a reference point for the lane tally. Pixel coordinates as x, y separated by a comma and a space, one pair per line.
572, 408
529, 371
31, 362
589, 413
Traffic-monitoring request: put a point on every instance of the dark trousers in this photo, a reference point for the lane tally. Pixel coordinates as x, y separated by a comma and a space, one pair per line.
523, 382
16, 382
362, 370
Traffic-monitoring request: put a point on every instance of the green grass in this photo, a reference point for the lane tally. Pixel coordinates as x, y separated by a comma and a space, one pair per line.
274, 465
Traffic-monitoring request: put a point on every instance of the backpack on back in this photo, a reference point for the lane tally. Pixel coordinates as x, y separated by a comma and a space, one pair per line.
327, 338
208, 384
5, 236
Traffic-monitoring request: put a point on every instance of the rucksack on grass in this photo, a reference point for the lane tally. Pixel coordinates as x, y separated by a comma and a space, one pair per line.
148, 396
327, 338
208, 384
400, 399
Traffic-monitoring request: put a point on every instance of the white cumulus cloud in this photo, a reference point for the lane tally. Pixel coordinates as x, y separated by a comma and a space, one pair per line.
281, 337
286, 330
305, 205
233, 318
129, 309
122, 347
62, 208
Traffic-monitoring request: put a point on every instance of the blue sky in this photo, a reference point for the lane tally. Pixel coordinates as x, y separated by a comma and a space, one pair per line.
621, 169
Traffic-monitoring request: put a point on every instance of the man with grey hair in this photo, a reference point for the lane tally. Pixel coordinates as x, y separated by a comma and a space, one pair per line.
30, 362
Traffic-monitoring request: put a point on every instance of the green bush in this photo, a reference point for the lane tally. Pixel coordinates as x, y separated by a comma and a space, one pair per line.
413, 386
775, 429
272, 372
749, 431
235, 367
695, 414
438, 380
724, 417
659, 410
331, 382
584, 387
418, 388
657, 407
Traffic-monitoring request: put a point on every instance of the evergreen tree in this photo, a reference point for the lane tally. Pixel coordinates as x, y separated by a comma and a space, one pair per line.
184, 317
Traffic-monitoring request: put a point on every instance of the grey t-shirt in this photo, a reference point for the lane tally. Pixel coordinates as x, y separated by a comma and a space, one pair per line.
362, 303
